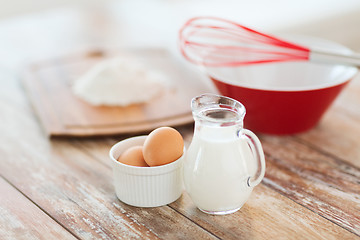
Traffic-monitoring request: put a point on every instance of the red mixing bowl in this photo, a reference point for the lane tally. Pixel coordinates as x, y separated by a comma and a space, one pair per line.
288, 97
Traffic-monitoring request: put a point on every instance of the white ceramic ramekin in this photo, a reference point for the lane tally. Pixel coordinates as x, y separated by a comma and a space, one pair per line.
145, 186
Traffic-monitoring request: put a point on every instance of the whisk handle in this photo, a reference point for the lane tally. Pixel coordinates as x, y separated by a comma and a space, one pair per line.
336, 58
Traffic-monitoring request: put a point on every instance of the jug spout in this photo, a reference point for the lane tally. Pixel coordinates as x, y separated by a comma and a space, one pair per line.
212, 109
217, 117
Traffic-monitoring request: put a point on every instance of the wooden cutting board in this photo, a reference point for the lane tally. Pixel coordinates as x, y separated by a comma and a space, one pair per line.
63, 114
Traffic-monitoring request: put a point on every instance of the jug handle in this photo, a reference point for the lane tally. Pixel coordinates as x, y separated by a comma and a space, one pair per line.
258, 153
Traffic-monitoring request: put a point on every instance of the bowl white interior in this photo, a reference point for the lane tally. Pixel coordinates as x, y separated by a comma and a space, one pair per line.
289, 76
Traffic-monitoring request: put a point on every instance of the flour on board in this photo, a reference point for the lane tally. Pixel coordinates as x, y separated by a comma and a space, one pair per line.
119, 81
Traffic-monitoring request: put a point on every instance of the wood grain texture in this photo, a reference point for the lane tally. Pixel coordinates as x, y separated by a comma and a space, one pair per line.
77, 191
266, 215
310, 191
325, 185
72, 186
338, 132
257, 218
21, 219
71, 181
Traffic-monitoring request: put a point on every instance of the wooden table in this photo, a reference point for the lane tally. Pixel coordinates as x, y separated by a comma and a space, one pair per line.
62, 188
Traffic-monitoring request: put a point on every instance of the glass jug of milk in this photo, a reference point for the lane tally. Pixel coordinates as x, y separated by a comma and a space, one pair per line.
224, 161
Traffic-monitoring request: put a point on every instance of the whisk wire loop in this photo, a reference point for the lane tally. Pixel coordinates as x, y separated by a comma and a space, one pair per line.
214, 41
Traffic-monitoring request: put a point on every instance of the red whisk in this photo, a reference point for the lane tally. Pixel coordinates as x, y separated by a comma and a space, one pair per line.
212, 41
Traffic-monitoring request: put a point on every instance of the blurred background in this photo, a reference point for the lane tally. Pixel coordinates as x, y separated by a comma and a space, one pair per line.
114, 23
277, 13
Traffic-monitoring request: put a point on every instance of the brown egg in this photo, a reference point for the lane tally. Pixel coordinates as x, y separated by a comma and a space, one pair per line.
133, 156
163, 145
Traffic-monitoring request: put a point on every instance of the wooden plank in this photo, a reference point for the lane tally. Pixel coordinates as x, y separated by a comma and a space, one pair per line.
76, 188
256, 220
320, 169
338, 132
77, 191
21, 219
73, 187
266, 215
327, 186
337, 135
